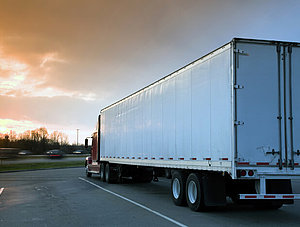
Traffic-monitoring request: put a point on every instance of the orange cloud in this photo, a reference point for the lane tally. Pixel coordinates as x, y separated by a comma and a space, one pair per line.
15, 82
6, 125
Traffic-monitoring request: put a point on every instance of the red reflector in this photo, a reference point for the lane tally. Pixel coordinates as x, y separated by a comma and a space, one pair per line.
54, 155
250, 197
288, 196
133, 157
171, 158
269, 196
122, 157
181, 158
250, 173
139, 158
161, 158
127, 157
153, 158
296, 164
224, 158
243, 173
262, 163
145, 158
194, 158
243, 163
207, 159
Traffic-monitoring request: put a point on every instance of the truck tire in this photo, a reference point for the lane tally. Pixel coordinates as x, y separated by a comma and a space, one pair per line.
107, 173
88, 174
102, 172
178, 188
194, 193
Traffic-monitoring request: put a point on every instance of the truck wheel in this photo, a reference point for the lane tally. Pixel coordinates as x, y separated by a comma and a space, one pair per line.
102, 172
107, 173
88, 174
178, 188
194, 193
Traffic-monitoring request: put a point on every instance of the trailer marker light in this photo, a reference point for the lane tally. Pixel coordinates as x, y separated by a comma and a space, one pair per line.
288, 196
224, 159
250, 196
296, 164
269, 196
208, 159
250, 173
262, 163
243, 163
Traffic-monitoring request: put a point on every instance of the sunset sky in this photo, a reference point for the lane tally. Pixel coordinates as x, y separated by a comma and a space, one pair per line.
62, 61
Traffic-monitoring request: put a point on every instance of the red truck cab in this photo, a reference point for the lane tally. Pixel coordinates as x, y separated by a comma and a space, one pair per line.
92, 162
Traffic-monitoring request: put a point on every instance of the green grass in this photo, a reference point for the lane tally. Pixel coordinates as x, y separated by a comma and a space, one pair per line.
44, 165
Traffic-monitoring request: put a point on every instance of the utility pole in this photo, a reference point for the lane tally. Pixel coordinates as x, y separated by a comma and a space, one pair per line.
77, 135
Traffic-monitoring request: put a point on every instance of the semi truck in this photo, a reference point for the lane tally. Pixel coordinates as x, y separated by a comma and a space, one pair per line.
224, 126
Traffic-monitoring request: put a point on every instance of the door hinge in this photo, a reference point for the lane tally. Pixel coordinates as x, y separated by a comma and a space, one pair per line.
241, 52
239, 123
236, 86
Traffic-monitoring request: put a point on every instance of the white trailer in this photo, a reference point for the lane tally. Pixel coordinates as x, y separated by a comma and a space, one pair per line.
227, 124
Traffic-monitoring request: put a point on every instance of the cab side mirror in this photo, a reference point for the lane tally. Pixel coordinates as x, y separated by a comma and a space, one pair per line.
86, 143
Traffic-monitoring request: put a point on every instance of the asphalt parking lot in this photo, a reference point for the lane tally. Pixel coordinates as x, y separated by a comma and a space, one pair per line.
65, 197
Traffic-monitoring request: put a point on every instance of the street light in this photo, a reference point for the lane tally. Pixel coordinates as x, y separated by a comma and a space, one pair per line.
77, 135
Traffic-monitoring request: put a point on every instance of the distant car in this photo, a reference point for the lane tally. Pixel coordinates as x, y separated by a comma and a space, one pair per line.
79, 152
25, 152
55, 154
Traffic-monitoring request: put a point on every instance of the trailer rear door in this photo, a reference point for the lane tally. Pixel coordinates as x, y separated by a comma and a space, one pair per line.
294, 112
267, 103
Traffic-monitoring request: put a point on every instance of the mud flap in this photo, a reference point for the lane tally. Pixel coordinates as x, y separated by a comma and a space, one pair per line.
214, 190
276, 186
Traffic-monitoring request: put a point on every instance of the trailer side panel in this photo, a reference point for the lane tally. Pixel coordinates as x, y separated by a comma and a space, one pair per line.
182, 121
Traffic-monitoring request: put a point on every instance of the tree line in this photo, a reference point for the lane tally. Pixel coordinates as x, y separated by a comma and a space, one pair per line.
37, 141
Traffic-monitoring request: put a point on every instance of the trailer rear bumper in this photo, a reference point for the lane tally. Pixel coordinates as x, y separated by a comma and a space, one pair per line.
269, 196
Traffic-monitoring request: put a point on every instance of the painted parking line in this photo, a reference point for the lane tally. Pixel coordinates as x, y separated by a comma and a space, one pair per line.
1, 190
135, 203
